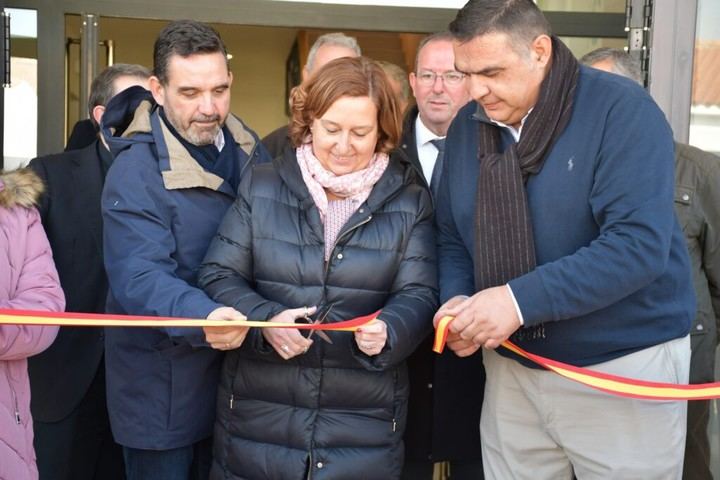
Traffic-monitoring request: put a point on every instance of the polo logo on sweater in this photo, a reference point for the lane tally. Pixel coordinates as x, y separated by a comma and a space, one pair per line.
571, 164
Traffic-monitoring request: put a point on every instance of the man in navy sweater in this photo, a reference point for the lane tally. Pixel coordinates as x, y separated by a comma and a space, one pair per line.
556, 230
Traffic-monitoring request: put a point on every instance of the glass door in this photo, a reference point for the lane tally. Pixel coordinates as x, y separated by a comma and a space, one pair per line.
20, 96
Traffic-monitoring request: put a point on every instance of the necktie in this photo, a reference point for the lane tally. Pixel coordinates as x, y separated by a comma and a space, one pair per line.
437, 169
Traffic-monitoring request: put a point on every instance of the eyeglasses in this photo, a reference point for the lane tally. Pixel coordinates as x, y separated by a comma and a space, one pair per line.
427, 78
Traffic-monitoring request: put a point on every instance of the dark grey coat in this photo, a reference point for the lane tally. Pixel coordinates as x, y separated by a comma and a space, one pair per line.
334, 412
697, 204
697, 196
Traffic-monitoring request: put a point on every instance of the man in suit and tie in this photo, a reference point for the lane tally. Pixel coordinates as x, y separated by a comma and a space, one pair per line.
438, 429
440, 91
72, 431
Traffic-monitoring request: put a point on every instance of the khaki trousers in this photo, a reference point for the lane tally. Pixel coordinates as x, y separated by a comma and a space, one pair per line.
538, 425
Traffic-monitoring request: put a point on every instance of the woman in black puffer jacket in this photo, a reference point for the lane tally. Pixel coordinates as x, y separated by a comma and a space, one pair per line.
333, 222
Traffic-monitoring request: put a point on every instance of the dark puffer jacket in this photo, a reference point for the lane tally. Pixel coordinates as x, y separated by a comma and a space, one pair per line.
332, 413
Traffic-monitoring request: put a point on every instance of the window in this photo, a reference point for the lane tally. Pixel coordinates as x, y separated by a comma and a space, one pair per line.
705, 108
20, 116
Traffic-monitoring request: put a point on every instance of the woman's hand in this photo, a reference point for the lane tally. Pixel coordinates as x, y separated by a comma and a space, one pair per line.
225, 338
288, 342
371, 338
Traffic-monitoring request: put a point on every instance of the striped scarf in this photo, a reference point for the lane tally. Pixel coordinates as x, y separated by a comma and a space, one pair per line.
504, 246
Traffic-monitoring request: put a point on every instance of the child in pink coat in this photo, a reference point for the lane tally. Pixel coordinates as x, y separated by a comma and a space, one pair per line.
28, 281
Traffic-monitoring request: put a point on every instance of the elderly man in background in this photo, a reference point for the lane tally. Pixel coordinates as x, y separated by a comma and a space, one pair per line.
326, 48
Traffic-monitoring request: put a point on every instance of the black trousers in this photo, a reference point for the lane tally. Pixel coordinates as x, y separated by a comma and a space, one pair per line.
697, 445
81, 446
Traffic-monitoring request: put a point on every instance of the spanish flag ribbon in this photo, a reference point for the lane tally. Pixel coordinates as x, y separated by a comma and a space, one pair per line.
67, 319
614, 384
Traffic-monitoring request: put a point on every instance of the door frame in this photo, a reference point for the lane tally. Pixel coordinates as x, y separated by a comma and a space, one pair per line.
51, 32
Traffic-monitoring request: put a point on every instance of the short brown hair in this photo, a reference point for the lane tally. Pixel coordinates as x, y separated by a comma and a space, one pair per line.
346, 77
184, 38
103, 88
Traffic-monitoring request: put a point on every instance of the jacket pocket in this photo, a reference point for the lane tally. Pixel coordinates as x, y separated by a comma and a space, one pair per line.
685, 209
13, 434
684, 195
13, 404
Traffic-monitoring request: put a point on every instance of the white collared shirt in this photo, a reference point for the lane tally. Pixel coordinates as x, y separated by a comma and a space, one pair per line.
427, 152
511, 129
219, 140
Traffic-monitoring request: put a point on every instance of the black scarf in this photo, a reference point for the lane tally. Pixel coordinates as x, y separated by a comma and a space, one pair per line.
504, 245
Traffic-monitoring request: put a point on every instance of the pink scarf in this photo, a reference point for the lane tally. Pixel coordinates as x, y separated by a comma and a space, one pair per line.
355, 186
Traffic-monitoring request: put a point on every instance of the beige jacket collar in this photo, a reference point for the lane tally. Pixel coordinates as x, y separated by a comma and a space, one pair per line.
185, 171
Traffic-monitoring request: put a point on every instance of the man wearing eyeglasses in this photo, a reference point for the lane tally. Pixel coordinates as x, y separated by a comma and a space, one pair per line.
444, 390
439, 91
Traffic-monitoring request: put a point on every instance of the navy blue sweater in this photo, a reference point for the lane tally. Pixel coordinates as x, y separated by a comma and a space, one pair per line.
613, 274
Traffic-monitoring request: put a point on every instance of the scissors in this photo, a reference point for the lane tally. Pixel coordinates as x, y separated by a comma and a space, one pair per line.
320, 316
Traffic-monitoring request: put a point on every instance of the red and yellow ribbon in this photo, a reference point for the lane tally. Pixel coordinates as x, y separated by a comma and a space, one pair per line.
622, 386
66, 319
616, 385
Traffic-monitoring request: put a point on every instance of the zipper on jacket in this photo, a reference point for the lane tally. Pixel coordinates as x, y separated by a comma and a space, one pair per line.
232, 400
17, 409
310, 465
337, 241
251, 160
395, 385
13, 394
